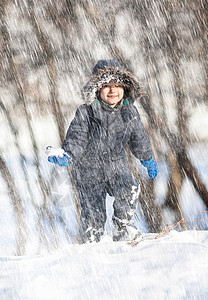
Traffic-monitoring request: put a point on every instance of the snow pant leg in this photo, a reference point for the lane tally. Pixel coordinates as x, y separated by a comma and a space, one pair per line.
126, 192
92, 198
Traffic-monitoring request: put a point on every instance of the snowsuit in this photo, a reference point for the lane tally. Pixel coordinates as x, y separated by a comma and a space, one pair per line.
96, 139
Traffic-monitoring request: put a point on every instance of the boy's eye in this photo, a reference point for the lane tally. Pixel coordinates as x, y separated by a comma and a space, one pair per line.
109, 86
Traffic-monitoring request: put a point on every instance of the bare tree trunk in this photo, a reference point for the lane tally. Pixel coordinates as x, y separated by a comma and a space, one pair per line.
52, 73
201, 14
183, 161
40, 228
21, 98
18, 208
188, 168
172, 201
151, 210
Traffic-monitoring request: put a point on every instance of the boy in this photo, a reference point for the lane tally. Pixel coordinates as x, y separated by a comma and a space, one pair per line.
96, 140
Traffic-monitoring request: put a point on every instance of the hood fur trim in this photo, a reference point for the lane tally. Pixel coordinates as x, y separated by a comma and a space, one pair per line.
95, 83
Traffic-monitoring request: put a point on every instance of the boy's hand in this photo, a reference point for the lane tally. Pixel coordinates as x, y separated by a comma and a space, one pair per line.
151, 166
58, 156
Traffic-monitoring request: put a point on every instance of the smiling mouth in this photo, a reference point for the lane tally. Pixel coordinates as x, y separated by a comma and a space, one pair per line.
112, 96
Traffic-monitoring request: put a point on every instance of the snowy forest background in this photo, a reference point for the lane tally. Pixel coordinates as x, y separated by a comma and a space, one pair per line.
47, 52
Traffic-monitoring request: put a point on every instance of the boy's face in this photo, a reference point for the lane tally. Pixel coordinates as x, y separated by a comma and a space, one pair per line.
112, 93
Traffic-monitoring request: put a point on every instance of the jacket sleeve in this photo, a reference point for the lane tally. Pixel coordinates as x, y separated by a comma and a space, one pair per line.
139, 142
77, 135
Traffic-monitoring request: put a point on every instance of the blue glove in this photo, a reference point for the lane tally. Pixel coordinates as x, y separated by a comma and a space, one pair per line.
61, 161
58, 156
151, 166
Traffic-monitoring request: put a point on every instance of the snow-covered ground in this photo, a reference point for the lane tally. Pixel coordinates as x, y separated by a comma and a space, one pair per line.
172, 267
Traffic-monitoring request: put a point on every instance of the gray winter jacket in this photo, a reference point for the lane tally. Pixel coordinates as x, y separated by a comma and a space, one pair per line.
97, 141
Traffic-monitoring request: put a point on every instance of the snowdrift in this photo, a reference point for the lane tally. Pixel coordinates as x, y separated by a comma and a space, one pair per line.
172, 267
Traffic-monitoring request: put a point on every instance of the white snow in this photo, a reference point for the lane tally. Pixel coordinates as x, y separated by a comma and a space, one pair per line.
172, 267
50, 151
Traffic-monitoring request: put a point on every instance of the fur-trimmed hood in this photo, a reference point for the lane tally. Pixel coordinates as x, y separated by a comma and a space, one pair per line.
111, 70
